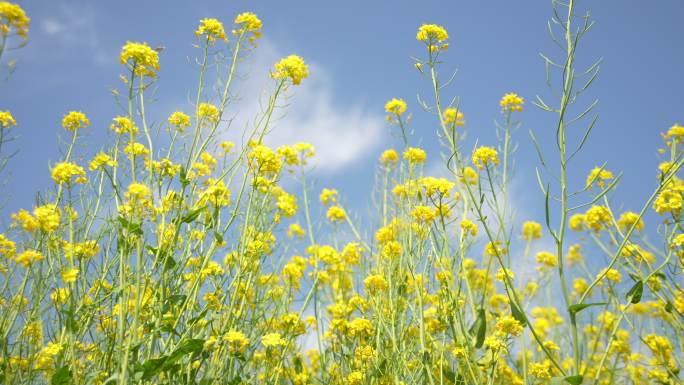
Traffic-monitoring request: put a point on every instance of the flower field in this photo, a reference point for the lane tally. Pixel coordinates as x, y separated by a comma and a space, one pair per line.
173, 256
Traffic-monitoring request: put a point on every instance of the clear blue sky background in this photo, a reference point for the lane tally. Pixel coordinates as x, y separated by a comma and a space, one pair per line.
71, 62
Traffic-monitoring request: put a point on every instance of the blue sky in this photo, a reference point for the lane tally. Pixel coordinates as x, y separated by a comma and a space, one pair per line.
360, 57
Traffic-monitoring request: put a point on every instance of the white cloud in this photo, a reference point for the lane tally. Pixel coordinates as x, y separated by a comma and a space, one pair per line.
71, 25
341, 133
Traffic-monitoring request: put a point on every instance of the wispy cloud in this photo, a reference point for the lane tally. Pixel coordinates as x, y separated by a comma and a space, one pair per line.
70, 26
342, 132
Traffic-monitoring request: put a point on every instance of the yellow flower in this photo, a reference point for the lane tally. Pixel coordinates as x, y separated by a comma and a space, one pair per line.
248, 23
75, 120
12, 16
599, 176
511, 102
415, 155
547, 259
629, 219
531, 230
47, 217
431, 33
328, 196
237, 340
291, 67
123, 125
484, 156
136, 149
180, 120
598, 218
208, 111
273, 340
69, 275
336, 214
469, 227
66, 172
395, 108
28, 257
452, 116
374, 283
212, 29
60, 295
143, 60
100, 160
295, 230
507, 325
7, 120
389, 158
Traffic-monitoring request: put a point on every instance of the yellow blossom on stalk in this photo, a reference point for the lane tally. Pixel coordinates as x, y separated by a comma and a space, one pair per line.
226, 146
295, 230
236, 340
60, 295
433, 35
598, 218
272, 340
12, 16
291, 67
375, 283
576, 222
123, 125
495, 248
248, 23
100, 160
676, 132
574, 255
670, 199
541, 370
598, 176
47, 217
136, 149
502, 273
66, 172
484, 156
415, 155
75, 120
509, 326
547, 259
28, 257
208, 111
437, 186
612, 275
469, 227
69, 275
453, 116
424, 214
263, 160
143, 60
511, 102
531, 230
629, 219
469, 176
7, 120
355, 378
336, 214
212, 29
328, 196
395, 108
389, 158
180, 120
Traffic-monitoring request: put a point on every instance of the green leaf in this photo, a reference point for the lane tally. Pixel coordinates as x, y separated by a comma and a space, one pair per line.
479, 328
135, 228
518, 314
218, 237
192, 215
189, 346
574, 380
578, 307
669, 307
61, 377
151, 367
636, 292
